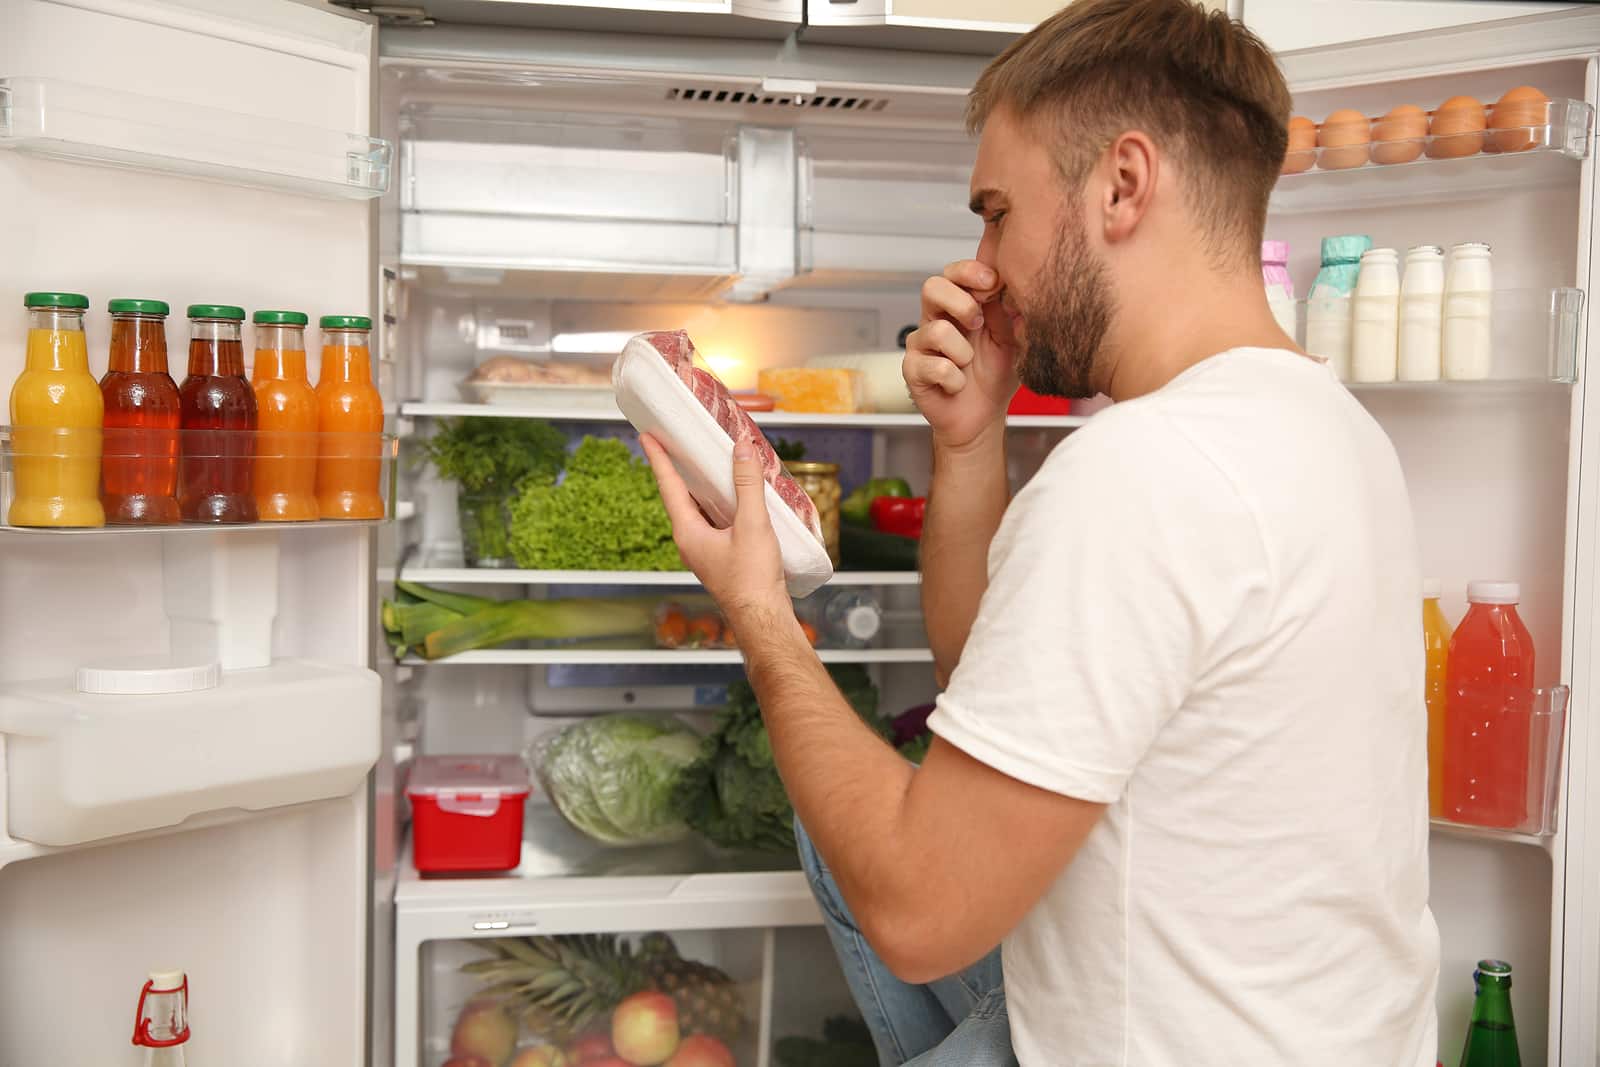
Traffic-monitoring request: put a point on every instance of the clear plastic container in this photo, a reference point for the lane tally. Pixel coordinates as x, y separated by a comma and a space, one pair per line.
466, 812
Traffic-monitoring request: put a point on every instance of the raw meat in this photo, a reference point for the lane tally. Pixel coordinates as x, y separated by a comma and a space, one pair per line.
511, 370
678, 351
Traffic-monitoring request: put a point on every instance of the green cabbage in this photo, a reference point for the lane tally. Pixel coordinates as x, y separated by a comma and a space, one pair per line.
613, 777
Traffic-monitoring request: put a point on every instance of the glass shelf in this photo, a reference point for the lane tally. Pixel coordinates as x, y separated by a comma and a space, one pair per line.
1519, 317
66, 120
862, 420
443, 564
652, 657
74, 465
1520, 157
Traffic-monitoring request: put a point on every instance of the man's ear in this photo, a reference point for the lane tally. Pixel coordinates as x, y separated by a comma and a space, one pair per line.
1131, 166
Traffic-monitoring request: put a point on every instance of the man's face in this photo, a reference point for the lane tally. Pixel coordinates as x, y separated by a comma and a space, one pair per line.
1056, 293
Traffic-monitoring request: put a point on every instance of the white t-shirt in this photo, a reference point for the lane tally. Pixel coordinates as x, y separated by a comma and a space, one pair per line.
1205, 612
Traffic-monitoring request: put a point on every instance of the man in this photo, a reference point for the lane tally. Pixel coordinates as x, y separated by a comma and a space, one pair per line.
1179, 766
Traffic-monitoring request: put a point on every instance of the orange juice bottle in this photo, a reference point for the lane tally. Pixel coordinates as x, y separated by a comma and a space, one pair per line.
1436, 646
286, 416
350, 420
56, 416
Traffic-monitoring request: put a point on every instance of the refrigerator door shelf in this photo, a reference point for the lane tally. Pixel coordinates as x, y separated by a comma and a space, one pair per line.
82, 456
89, 124
83, 767
1546, 154
1542, 719
1518, 318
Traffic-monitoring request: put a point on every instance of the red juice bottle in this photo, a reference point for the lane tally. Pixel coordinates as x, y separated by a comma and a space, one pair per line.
219, 420
1488, 706
139, 467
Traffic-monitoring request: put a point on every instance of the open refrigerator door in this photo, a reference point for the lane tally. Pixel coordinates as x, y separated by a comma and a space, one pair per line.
190, 717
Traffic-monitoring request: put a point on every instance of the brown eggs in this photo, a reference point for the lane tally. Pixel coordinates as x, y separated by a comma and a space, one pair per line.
1302, 145
1399, 135
1344, 137
1519, 117
1457, 128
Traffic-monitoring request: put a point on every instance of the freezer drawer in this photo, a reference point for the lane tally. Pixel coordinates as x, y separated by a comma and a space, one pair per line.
711, 18
933, 25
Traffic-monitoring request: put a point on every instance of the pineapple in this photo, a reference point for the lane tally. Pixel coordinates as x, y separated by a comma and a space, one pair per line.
708, 1000
562, 985
558, 985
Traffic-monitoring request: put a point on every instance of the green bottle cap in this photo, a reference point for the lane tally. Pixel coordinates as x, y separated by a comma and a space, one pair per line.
70, 301
1346, 249
216, 311
279, 318
139, 307
345, 322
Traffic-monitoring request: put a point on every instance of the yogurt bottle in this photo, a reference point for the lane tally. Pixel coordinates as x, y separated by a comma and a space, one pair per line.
1280, 287
1467, 346
1373, 352
1328, 306
1422, 314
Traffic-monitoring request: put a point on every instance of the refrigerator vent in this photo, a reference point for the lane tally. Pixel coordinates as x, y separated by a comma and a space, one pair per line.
689, 94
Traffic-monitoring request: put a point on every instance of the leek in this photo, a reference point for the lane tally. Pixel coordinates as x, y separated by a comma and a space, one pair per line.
543, 620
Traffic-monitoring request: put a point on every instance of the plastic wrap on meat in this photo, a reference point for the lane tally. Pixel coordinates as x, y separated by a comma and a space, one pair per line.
678, 351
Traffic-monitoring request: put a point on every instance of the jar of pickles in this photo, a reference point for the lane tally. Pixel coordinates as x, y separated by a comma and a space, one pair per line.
821, 483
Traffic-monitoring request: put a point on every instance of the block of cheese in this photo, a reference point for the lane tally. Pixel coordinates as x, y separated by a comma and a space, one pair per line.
815, 390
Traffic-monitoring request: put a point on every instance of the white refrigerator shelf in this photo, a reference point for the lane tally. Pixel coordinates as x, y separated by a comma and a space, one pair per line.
862, 420
443, 565
652, 657
1551, 154
112, 127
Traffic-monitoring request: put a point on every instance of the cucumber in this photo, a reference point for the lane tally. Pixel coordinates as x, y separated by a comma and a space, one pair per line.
861, 549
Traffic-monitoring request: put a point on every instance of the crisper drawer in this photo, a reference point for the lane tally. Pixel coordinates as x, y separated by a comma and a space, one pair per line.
563, 192
688, 998
878, 207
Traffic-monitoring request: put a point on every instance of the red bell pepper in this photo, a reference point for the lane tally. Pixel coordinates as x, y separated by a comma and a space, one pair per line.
900, 515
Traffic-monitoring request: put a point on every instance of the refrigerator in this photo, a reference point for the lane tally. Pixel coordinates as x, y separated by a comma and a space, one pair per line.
536, 181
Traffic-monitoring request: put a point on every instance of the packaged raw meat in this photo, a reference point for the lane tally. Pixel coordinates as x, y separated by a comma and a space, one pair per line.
664, 394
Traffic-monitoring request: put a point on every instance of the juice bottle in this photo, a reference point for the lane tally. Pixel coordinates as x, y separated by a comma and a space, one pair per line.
350, 420
1488, 702
56, 413
1436, 645
286, 414
218, 415
139, 474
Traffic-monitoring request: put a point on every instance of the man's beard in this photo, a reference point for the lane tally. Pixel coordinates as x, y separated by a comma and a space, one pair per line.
1066, 320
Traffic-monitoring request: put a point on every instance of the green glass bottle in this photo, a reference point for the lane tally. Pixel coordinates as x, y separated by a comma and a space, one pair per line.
1492, 1034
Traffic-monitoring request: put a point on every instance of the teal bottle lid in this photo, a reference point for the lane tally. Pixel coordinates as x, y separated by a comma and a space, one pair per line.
1345, 249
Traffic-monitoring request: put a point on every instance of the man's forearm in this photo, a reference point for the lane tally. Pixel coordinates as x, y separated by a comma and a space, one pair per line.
966, 501
847, 785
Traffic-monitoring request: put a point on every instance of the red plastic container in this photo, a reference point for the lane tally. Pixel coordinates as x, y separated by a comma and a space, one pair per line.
466, 812
1028, 402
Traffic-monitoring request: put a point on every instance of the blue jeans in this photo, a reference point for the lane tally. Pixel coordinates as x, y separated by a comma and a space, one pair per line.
959, 1021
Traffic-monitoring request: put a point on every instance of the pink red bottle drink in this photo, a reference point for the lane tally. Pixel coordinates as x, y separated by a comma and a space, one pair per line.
1489, 705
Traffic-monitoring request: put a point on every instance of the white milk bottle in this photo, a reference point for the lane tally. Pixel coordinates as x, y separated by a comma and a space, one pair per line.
1280, 287
1422, 314
1468, 320
1328, 305
1376, 334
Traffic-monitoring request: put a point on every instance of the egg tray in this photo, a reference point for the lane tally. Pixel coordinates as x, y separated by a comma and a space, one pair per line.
1457, 129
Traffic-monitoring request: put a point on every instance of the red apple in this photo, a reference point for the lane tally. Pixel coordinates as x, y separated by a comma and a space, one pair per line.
540, 1056
644, 1028
608, 1061
590, 1047
484, 1030
701, 1050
